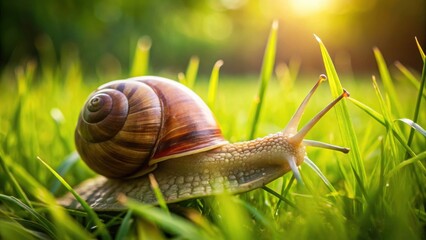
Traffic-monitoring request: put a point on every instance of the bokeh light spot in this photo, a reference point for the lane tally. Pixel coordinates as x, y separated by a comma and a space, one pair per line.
307, 7
217, 26
233, 4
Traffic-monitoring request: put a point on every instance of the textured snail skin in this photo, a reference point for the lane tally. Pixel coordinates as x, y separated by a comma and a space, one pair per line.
236, 167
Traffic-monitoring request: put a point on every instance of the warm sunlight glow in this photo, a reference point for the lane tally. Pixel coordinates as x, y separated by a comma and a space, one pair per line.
306, 7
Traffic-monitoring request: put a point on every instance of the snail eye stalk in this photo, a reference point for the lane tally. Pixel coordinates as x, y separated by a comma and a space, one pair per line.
295, 120
297, 137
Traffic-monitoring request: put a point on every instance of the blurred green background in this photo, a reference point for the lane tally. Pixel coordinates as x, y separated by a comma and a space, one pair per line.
103, 33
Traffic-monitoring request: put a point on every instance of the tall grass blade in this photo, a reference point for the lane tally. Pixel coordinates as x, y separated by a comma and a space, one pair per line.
124, 229
380, 119
102, 229
13, 230
285, 188
349, 187
422, 53
387, 115
214, 80
16, 127
157, 191
199, 218
65, 166
287, 73
63, 223
377, 116
314, 167
58, 119
418, 102
265, 75
411, 78
257, 215
47, 226
360, 186
343, 118
282, 198
141, 58
419, 157
387, 80
169, 222
15, 184
148, 230
182, 79
192, 71
232, 218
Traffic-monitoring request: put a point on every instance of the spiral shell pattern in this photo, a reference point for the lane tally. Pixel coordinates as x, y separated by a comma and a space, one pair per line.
127, 126
118, 128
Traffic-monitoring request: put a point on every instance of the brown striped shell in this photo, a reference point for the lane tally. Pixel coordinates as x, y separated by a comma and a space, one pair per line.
127, 126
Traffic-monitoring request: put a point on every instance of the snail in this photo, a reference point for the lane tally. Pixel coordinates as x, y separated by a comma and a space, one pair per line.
151, 127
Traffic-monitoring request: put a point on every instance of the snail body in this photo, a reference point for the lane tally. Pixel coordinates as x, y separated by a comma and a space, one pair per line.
181, 146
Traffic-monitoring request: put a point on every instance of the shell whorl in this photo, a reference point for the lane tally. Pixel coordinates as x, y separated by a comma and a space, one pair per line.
127, 126
118, 128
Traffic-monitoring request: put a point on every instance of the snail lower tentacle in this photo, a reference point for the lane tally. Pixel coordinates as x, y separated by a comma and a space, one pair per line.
237, 167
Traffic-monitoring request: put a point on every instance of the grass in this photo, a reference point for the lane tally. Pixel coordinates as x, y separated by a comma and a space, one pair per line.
377, 191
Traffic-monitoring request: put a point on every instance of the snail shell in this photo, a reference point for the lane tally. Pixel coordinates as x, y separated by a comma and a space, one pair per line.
127, 126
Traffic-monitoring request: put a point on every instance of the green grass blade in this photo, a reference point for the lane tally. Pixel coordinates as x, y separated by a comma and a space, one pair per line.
188, 78
380, 119
214, 80
44, 223
411, 78
422, 53
258, 216
63, 223
101, 226
15, 184
169, 222
314, 167
359, 180
377, 116
141, 58
29, 226
232, 218
58, 119
65, 166
387, 80
387, 115
393, 131
124, 230
182, 78
414, 125
285, 188
13, 230
418, 102
346, 173
343, 118
282, 198
288, 73
265, 75
192, 71
157, 191
408, 162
